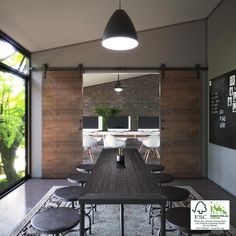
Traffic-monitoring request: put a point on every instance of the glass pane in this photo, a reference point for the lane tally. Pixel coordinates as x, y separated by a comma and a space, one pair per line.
13, 58
12, 130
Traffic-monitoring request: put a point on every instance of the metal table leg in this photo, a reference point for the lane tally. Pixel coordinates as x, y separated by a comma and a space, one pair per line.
82, 213
163, 220
122, 232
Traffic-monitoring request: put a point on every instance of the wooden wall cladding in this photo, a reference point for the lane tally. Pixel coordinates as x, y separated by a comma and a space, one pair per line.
62, 116
181, 124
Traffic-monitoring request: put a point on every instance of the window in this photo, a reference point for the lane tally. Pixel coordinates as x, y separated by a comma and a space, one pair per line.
14, 114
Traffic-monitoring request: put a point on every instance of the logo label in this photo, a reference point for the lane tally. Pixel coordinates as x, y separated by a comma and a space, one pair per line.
210, 215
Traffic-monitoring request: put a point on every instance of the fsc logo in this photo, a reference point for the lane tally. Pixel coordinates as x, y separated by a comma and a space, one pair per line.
210, 215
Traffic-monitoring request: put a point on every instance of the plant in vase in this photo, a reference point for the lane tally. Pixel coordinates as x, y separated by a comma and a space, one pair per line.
106, 112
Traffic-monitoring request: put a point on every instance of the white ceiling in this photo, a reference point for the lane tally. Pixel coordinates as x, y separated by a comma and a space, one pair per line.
90, 79
44, 24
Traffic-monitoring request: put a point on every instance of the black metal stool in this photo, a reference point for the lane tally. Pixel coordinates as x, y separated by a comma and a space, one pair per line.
179, 218
162, 178
72, 194
56, 220
69, 194
85, 168
171, 194
155, 168
80, 179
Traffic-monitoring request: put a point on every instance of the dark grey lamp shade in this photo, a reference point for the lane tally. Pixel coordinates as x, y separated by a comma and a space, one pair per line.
120, 33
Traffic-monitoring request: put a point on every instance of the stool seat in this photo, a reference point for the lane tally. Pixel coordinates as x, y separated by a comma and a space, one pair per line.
85, 168
163, 178
80, 178
55, 220
155, 167
174, 194
69, 194
179, 218
171, 194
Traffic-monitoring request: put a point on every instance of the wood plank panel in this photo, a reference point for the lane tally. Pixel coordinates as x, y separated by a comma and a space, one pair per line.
181, 124
62, 120
180, 115
62, 147
61, 116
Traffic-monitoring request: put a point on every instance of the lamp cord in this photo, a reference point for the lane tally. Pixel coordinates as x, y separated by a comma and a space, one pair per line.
118, 77
119, 4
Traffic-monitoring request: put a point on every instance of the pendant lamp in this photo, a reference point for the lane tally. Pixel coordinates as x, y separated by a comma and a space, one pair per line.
120, 33
118, 87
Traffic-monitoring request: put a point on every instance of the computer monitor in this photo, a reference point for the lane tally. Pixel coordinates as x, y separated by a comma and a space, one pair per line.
119, 123
92, 123
148, 123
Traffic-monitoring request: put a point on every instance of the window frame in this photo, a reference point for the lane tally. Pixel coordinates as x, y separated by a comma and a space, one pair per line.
27, 79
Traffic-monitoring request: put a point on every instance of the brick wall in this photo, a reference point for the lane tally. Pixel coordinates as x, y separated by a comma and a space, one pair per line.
139, 98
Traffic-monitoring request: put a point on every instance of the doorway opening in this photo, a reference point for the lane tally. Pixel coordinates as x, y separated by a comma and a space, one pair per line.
131, 115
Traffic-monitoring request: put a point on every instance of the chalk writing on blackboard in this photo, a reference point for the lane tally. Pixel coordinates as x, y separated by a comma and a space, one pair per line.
215, 100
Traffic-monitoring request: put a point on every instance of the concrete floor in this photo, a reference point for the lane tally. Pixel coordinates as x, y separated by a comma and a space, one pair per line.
15, 206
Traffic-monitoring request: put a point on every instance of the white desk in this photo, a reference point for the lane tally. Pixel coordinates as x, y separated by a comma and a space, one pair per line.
124, 134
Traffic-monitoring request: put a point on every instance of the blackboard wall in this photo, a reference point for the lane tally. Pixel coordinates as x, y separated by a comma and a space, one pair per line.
223, 110
221, 51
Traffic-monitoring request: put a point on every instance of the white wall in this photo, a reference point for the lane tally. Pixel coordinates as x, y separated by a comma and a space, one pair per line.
182, 45
36, 127
222, 59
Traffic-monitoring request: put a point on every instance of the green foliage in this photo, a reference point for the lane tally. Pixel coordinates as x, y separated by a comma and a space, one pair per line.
4, 183
106, 112
12, 110
14, 60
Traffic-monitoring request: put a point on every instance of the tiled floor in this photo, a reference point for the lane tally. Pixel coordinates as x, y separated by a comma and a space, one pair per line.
15, 206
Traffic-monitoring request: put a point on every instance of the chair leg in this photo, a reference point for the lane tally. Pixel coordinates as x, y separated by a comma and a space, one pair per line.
148, 152
91, 154
157, 154
144, 157
140, 148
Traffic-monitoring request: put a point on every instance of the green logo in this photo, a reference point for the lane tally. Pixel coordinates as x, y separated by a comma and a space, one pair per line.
217, 209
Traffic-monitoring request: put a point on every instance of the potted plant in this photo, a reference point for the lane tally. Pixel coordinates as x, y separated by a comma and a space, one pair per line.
106, 112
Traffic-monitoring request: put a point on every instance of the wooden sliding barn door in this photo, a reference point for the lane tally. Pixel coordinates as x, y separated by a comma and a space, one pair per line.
180, 123
62, 116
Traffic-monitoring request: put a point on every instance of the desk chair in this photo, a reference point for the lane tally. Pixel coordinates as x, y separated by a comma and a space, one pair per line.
152, 143
110, 141
88, 143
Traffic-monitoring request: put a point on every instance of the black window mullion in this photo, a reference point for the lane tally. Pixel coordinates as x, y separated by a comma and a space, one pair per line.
9, 69
27, 82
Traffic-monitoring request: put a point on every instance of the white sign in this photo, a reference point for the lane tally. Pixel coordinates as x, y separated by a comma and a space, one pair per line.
210, 215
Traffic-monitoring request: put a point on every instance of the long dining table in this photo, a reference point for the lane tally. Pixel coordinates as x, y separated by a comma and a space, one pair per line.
114, 183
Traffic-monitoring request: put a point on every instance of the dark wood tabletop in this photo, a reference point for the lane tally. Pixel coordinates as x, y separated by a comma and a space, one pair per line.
131, 183
110, 183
